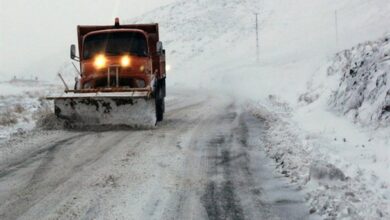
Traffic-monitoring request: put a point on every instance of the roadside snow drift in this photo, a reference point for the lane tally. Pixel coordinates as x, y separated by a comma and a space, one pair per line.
21, 105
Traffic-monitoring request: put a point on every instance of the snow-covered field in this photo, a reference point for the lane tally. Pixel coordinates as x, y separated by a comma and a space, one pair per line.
321, 85
22, 103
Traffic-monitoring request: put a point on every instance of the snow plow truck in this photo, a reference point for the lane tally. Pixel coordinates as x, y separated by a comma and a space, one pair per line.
121, 77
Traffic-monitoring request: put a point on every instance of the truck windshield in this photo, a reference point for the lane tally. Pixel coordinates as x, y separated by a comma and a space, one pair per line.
115, 43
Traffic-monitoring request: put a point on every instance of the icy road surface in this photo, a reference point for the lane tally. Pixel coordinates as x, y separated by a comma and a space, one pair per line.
205, 161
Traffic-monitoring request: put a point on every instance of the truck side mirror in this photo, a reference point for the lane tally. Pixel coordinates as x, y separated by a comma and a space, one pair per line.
73, 52
159, 47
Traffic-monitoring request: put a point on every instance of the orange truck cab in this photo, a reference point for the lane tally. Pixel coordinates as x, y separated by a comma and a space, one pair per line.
121, 58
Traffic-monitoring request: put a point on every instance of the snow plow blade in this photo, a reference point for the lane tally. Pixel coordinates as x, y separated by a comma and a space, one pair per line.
131, 109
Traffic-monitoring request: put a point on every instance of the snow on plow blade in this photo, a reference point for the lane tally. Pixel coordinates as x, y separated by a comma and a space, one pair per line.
133, 109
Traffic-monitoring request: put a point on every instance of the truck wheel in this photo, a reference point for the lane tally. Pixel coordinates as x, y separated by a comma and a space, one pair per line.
160, 108
160, 99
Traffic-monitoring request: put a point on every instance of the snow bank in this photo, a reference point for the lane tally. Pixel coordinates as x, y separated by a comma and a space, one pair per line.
363, 93
336, 186
334, 142
21, 105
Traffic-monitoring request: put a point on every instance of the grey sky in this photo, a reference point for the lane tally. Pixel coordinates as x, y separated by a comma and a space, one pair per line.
31, 31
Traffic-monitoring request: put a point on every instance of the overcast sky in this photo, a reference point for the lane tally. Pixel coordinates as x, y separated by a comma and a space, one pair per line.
31, 31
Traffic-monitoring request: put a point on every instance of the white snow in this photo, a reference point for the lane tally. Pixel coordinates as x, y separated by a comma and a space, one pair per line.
343, 172
332, 140
21, 105
363, 93
344, 114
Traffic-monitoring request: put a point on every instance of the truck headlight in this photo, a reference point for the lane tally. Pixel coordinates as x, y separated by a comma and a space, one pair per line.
125, 61
100, 61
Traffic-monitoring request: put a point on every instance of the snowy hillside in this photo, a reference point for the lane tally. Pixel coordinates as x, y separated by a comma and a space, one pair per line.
199, 35
213, 44
364, 90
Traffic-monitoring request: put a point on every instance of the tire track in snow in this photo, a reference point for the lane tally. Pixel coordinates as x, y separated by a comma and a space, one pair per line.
22, 201
220, 197
34, 156
46, 177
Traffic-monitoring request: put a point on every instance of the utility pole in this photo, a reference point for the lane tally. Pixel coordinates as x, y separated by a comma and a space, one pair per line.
257, 38
336, 28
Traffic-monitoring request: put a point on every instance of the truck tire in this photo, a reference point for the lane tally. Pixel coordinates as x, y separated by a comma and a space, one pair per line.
160, 107
160, 99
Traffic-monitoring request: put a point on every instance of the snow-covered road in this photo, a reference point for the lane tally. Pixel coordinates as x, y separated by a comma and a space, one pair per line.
205, 161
